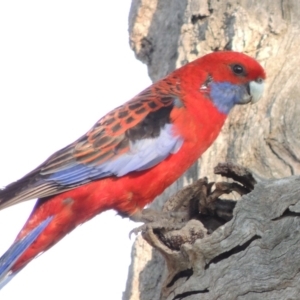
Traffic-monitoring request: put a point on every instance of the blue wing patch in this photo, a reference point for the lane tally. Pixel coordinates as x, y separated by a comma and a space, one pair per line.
143, 154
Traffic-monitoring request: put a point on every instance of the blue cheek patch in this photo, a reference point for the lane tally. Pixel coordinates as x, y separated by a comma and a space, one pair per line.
225, 95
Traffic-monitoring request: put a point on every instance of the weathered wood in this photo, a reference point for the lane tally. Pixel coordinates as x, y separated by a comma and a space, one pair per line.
264, 137
254, 255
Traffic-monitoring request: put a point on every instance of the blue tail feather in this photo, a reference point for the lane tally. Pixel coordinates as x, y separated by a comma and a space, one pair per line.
16, 250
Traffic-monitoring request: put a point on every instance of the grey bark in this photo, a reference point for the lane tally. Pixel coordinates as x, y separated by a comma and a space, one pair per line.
265, 138
254, 256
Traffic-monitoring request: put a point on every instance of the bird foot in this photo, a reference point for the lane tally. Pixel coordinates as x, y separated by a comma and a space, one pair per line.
149, 215
156, 220
199, 201
156, 226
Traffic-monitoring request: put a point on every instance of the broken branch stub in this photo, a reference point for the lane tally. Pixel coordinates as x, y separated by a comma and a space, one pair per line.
254, 255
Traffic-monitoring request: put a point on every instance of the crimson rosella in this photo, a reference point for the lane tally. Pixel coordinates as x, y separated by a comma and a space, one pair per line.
132, 154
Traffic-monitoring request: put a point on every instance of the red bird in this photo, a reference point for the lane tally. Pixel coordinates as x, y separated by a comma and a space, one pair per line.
132, 154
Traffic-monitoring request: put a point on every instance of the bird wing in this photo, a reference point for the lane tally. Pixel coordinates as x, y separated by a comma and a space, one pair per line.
133, 137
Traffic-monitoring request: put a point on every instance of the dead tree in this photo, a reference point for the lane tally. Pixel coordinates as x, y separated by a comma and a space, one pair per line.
254, 255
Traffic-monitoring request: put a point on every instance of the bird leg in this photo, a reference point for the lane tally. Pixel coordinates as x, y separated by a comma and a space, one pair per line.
149, 215
200, 203
176, 211
158, 220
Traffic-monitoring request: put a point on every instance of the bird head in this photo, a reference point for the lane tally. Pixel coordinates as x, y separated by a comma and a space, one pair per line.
229, 78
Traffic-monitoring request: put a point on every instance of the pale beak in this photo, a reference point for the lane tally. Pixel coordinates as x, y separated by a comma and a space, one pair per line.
253, 91
256, 89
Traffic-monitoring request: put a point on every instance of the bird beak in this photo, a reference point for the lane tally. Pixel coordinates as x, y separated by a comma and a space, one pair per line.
254, 92
256, 89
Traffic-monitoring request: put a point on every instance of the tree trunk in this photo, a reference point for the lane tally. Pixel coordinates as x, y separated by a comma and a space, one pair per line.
166, 34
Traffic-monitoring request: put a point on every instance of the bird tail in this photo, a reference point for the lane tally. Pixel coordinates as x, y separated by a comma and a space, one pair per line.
9, 258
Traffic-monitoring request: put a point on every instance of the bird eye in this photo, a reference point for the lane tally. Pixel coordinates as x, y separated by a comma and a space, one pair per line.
238, 69
259, 80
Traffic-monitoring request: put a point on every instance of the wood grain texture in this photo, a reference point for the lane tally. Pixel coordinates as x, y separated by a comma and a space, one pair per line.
265, 138
254, 256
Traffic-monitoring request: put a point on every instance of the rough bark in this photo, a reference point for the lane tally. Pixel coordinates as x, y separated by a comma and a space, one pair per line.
265, 137
254, 256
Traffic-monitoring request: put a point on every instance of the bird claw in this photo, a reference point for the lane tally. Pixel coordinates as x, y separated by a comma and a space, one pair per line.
197, 201
155, 226
137, 230
156, 220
